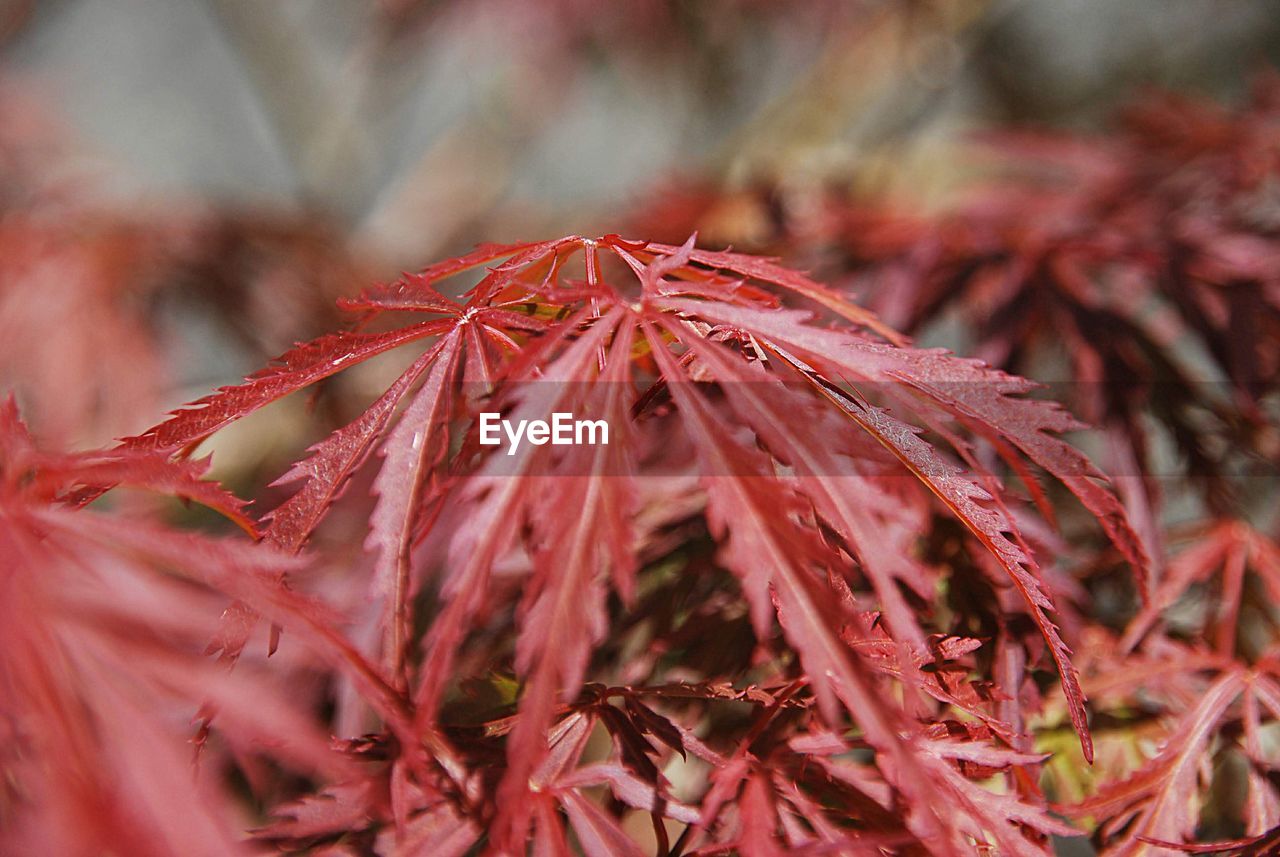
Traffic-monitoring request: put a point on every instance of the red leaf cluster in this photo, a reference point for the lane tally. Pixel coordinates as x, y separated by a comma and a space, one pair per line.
777, 454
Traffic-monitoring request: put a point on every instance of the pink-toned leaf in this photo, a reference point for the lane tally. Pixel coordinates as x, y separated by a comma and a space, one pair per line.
598, 833
297, 368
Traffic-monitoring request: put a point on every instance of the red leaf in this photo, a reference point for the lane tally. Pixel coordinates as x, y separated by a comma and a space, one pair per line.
599, 834
327, 469
299, 367
412, 451
1162, 794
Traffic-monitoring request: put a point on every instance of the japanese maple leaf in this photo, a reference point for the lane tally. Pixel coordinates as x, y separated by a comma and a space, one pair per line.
1162, 800
1181, 711
1230, 549
767, 799
102, 625
1110, 254
772, 405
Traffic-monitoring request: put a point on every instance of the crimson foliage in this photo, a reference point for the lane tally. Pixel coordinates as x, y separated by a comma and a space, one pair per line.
792, 603
1139, 269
